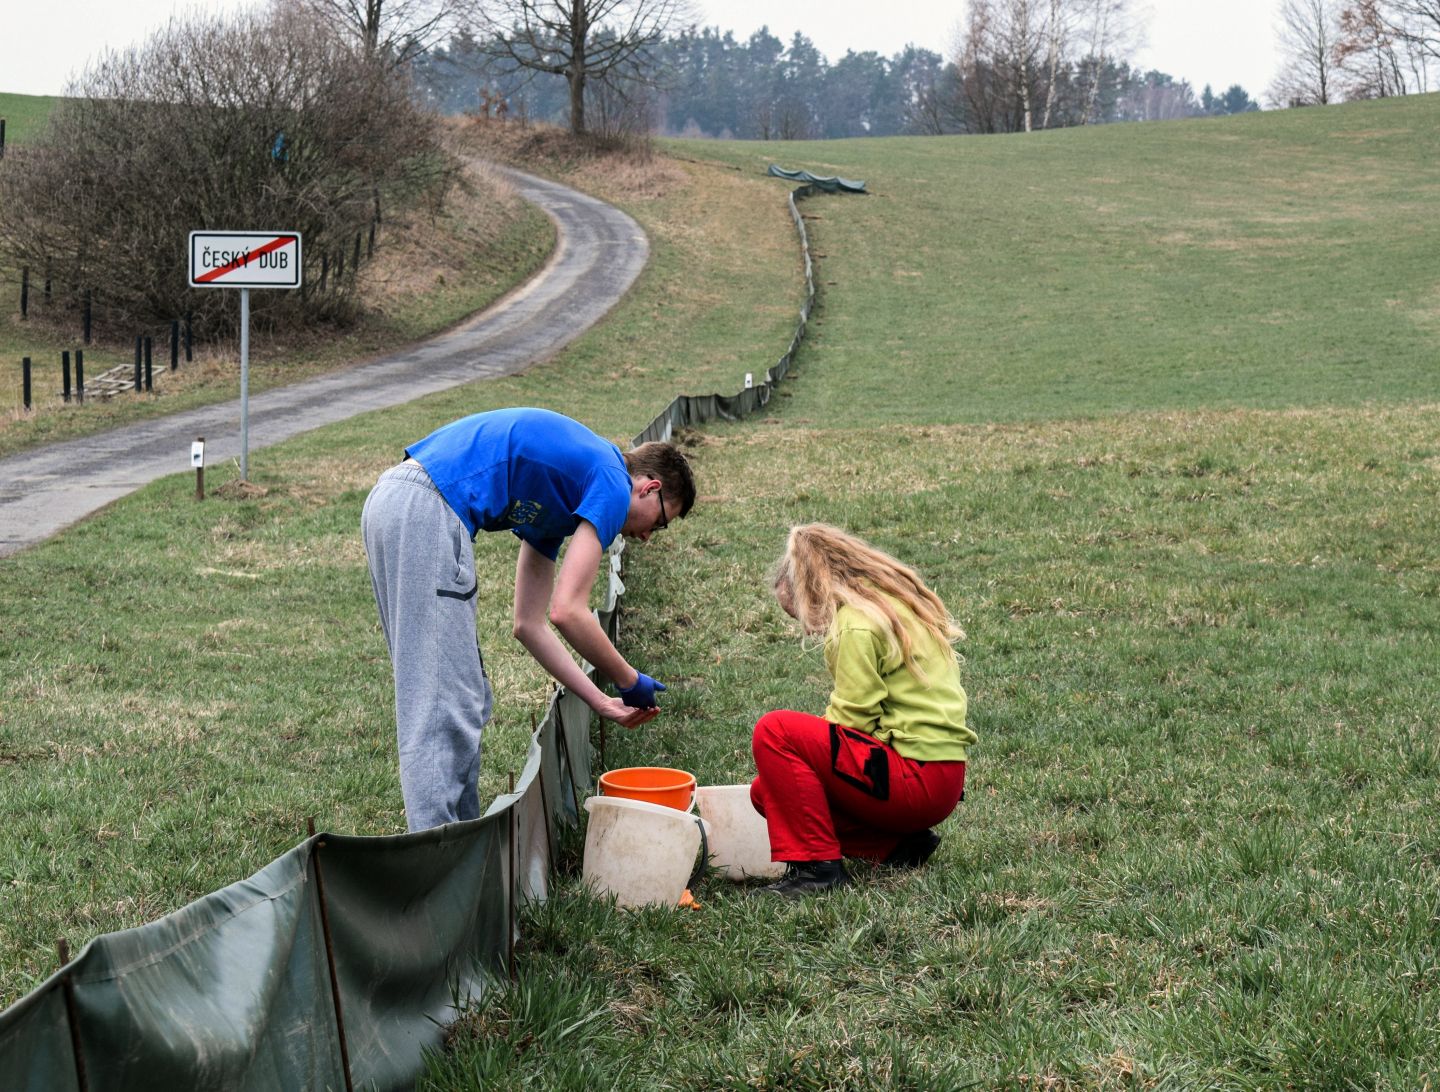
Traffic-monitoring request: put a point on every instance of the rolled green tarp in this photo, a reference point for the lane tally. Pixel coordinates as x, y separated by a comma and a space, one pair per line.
832, 184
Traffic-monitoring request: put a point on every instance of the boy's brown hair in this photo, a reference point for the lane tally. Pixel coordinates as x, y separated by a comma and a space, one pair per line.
664, 462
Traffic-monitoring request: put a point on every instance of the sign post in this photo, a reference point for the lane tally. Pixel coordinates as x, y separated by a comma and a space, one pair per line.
245, 260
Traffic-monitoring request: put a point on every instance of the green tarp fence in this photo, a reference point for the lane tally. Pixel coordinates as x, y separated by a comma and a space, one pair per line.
831, 184
339, 964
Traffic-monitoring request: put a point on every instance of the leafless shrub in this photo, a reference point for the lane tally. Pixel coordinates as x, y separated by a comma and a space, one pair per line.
247, 122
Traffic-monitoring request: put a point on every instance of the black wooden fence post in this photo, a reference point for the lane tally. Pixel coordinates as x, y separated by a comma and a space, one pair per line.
80, 376
139, 350
2, 138
174, 344
149, 381
25, 372
65, 373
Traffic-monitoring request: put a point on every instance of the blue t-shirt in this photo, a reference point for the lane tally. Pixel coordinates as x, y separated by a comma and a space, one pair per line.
531, 471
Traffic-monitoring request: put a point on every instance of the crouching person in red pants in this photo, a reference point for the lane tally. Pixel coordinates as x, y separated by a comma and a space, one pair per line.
887, 760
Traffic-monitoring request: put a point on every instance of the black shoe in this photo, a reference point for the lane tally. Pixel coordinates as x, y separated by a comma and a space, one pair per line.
808, 878
913, 850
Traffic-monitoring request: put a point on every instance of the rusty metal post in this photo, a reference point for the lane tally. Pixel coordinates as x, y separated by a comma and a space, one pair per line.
329, 953
72, 1018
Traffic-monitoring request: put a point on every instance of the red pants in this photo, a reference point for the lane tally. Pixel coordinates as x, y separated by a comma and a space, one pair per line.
828, 791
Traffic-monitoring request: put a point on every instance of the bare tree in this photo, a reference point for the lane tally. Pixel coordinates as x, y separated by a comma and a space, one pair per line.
998, 60
1307, 35
255, 122
1410, 30
1013, 58
1416, 22
1056, 31
1368, 55
612, 42
1108, 31
396, 31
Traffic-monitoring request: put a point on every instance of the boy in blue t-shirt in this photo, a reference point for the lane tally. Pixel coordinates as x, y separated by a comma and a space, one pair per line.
544, 478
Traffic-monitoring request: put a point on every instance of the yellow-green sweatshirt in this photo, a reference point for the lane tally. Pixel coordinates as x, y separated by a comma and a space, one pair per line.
876, 693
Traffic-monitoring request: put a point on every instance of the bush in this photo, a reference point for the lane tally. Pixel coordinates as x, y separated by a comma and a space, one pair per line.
265, 121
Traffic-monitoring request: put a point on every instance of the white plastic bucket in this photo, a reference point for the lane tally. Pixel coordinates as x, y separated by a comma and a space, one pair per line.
641, 853
739, 839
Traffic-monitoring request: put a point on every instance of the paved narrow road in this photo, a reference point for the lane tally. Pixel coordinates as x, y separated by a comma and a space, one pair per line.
599, 253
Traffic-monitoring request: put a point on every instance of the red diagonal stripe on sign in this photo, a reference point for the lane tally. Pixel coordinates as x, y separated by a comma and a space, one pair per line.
273, 244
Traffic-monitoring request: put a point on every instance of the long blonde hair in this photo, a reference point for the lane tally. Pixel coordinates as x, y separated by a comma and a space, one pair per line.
824, 568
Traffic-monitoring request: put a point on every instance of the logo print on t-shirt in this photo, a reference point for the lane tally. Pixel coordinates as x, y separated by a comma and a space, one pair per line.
523, 511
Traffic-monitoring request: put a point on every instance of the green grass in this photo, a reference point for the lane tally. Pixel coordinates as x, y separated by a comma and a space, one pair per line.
182, 684
1269, 260
1198, 848
25, 115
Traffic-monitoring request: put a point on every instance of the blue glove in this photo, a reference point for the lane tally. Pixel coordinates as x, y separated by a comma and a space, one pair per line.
642, 694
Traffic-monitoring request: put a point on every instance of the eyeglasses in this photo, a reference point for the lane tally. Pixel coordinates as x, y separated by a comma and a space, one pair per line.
664, 520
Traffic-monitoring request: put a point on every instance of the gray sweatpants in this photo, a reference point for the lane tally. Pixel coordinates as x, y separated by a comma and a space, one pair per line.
422, 566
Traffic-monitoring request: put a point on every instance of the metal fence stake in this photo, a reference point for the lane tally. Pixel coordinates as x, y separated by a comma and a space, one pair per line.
514, 886
71, 1017
329, 953
544, 803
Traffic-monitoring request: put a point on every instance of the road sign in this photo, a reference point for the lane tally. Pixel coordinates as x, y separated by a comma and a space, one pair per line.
245, 259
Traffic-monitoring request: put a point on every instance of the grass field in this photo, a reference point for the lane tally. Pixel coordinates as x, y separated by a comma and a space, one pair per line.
24, 115
1154, 407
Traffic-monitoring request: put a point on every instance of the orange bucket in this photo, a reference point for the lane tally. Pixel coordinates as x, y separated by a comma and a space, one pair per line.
652, 784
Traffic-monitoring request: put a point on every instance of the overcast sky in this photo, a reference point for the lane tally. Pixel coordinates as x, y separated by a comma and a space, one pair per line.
1219, 42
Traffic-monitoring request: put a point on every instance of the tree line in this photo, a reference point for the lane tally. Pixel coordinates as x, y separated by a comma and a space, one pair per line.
704, 82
